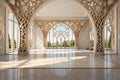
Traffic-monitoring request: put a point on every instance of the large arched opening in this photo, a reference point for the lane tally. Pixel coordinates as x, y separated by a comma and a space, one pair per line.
54, 11
60, 37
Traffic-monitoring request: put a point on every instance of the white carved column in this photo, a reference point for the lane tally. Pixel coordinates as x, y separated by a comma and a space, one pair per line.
98, 10
76, 39
24, 10
99, 29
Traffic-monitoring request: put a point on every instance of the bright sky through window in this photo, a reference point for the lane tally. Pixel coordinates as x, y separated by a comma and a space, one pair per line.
60, 27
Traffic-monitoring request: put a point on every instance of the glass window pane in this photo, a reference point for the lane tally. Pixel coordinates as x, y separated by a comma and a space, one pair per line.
15, 20
10, 25
15, 35
10, 16
60, 36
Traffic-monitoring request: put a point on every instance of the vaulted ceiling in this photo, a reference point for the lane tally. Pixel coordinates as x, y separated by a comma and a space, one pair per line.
61, 8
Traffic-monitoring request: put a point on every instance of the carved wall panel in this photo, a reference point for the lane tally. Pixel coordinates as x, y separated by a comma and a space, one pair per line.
2, 28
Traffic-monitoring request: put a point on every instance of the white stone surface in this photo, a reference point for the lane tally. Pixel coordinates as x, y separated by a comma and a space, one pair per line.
37, 37
61, 8
84, 38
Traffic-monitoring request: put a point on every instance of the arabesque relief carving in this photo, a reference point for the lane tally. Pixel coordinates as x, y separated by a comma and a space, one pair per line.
74, 25
98, 9
25, 9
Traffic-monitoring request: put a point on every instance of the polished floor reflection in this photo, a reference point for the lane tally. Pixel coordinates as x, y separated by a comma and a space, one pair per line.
60, 74
59, 58
60, 64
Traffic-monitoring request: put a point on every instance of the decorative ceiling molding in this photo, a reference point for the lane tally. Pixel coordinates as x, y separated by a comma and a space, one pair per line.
62, 18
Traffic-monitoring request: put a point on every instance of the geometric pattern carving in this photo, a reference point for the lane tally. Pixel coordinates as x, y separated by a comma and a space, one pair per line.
24, 10
74, 25
60, 35
98, 10
2, 29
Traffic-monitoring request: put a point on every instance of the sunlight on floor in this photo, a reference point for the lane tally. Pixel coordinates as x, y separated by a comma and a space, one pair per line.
38, 62
57, 59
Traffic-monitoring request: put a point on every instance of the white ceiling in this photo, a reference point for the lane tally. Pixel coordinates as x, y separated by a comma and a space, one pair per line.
61, 8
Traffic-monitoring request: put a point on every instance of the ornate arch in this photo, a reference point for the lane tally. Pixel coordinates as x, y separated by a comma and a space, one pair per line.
74, 25
98, 10
25, 9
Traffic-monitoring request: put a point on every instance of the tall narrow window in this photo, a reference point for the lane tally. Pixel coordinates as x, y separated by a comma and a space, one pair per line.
13, 32
92, 37
109, 38
30, 35
108, 35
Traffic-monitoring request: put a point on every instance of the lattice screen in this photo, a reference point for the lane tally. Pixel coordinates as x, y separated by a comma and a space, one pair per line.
98, 10
24, 10
74, 25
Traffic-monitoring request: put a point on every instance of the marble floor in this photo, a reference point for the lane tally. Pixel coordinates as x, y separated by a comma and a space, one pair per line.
59, 64
60, 74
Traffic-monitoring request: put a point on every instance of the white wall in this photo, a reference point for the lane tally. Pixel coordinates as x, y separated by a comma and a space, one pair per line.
37, 37
64, 8
84, 38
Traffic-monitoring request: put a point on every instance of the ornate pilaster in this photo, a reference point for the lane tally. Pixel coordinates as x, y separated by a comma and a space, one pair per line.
45, 39
76, 38
98, 10
2, 28
99, 30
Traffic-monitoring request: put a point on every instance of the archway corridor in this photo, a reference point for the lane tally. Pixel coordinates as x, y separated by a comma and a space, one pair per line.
59, 40
73, 32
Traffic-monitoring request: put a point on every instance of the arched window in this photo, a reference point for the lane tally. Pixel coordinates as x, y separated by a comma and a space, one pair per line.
13, 32
108, 35
92, 37
60, 36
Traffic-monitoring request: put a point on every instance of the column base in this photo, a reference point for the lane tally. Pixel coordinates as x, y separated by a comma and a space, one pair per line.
23, 51
99, 53
43, 48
